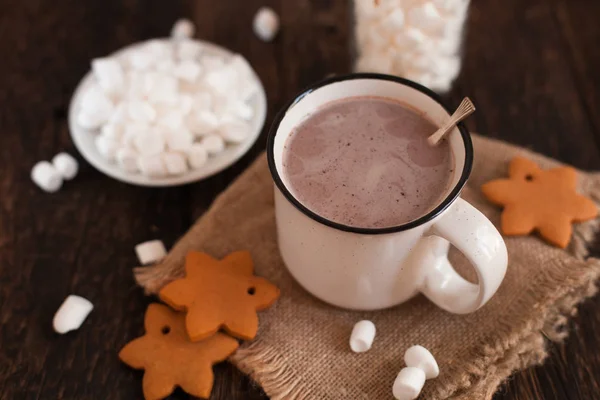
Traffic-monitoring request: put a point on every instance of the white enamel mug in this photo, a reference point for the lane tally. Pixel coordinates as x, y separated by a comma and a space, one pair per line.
370, 268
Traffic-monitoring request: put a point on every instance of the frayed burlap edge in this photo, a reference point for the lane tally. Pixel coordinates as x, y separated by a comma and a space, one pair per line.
521, 350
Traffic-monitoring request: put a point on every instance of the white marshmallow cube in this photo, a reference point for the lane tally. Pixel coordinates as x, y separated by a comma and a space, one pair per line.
152, 166
109, 73
46, 177
112, 131
202, 123
141, 111
66, 165
183, 29
188, 71
408, 384
107, 147
71, 314
197, 155
179, 140
171, 119
89, 120
175, 163
213, 144
234, 131
127, 159
266, 24
362, 336
188, 50
150, 252
420, 365
150, 143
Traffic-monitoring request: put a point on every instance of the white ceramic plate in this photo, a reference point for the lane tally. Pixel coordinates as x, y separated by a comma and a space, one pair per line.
84, 139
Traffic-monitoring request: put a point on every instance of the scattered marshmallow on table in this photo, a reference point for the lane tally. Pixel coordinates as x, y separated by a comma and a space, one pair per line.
165, 101
46, 177
150, 252
420, 365
266, 24
361, 338
71, 314
66, 165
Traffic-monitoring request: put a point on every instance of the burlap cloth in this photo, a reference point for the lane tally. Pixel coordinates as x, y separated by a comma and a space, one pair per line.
302, 352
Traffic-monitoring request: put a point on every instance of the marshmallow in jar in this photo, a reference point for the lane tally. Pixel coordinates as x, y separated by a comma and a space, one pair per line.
416, 39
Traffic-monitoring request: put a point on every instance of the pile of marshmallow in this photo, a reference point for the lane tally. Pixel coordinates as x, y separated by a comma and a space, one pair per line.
420, 363
415, 39
164, 107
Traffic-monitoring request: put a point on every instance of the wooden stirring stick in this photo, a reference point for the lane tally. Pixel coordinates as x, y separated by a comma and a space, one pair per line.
465, 109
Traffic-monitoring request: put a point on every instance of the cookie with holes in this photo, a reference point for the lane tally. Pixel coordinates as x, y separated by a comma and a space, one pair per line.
540, 200
220, 294
169, 359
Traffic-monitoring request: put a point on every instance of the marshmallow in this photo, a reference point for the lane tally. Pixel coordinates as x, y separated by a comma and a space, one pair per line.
234, 131
197, 155
408, 384
202, 123
119, 115
419, 357
127, 159
186, 103
152, 166
172, 119
95, 103
242, 109
88, 120
183, 29
188, 71
71, 314
212, 62
141, 111
188, 50
46, 177
362, 336
202, 101
149, 143
107, 147
166, 66
66, 165
395, 20
425, 17
265, 24
109, 74
420, 365
179, 140
175, 163
141, 59
112, 131
213, 144
150, 252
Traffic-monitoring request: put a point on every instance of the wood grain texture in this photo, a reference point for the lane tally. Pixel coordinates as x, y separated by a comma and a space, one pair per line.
532, 68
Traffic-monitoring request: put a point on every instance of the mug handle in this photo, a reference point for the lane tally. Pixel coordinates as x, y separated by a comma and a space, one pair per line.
477, 238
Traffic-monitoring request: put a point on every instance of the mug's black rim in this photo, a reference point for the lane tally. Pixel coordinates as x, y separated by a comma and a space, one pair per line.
369, 231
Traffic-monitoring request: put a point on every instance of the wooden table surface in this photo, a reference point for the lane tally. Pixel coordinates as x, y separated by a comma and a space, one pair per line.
532, 67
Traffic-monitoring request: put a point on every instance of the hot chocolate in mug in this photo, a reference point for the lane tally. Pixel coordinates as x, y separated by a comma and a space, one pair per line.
375, 268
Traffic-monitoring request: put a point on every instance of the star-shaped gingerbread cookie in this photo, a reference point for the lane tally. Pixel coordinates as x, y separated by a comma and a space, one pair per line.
170, 359
220, 294
541, 200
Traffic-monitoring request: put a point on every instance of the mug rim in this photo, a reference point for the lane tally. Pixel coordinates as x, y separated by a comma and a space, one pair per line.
441, 207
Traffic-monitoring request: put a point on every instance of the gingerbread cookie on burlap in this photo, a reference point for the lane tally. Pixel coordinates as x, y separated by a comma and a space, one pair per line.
220, 294
169, 359
542, 200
